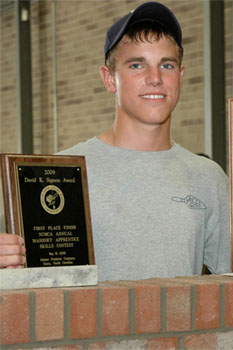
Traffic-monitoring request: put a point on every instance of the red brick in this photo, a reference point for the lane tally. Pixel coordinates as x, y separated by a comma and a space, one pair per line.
162, 344
115, 311
229, 305
147, 309
178, 308
14, 318
206, 341
49, 322
83, 313
207, 306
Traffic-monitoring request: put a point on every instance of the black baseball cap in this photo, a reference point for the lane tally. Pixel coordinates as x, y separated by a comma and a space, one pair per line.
149, 11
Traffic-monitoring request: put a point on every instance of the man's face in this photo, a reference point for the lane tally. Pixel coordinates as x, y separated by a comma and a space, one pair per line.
147, 80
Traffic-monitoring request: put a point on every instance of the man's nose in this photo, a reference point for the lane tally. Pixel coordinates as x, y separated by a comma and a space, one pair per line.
153, 76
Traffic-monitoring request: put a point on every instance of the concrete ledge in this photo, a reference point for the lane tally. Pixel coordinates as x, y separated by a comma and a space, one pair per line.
48, 277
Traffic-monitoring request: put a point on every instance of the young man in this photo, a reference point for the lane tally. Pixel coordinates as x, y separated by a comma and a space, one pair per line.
157, 209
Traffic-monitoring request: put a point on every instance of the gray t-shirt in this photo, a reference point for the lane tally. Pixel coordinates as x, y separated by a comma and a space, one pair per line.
156, 214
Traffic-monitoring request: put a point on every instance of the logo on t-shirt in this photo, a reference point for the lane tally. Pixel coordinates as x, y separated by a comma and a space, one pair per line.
191, 202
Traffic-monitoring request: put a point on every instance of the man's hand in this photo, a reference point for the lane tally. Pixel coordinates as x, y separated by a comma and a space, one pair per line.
12, 251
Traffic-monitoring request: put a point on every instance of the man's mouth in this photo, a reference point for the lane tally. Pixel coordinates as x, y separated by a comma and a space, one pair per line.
153, 97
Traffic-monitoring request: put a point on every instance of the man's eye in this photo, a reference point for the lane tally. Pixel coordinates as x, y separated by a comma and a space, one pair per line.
136, 66
167, 66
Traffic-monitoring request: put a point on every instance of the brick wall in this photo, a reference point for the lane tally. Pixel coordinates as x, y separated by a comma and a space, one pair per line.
84, 107
180, 313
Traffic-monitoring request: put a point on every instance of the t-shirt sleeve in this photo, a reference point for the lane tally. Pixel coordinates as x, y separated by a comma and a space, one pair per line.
217, 255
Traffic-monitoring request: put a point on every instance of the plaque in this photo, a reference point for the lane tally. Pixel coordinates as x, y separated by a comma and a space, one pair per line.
46, 202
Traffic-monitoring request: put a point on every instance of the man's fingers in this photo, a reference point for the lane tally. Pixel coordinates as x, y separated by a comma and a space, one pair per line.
11, 260
8, 238
14, 267
11, 249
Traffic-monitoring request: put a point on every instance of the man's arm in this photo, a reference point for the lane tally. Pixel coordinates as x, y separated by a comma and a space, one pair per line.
217, 246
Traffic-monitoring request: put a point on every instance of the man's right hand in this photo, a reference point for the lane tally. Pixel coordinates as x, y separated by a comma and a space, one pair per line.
12, 251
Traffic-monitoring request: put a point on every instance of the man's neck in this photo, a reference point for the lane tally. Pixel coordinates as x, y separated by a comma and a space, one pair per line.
143, 139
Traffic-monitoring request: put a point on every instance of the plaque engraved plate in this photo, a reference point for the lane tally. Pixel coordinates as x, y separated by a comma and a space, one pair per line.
46, 202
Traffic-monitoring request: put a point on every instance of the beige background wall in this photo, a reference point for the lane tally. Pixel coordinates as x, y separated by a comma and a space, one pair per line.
84, 108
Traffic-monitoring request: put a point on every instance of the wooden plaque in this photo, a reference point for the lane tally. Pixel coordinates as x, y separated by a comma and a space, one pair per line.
231, 171
46, 202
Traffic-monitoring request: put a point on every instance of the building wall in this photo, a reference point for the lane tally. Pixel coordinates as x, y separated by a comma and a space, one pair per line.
84, 108
8, 107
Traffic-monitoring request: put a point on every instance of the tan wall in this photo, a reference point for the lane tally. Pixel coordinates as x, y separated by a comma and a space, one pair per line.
8, 108
84, 107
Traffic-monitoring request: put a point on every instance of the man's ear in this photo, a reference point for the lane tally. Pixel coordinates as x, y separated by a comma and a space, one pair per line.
108, 78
